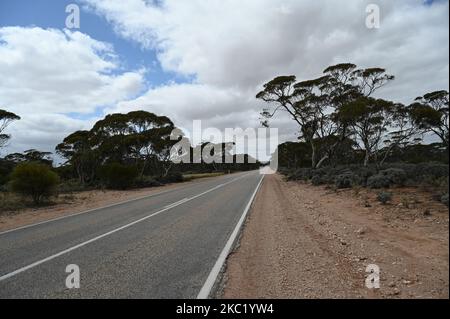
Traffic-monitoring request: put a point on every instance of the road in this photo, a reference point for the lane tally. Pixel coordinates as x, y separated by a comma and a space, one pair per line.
162, 246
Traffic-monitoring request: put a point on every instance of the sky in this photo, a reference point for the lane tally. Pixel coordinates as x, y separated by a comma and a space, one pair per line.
199, 59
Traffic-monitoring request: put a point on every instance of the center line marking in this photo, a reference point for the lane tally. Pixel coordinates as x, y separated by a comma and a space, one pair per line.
37, 263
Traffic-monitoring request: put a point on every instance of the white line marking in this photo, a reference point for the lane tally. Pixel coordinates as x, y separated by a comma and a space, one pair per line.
37, 263
177, 203
90, 211
211, 280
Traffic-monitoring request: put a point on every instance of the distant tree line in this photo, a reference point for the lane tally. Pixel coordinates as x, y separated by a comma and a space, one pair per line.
120, 151
340, 121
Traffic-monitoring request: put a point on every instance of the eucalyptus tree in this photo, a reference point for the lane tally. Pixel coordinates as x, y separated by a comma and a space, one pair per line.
368, 120
315, 104
136, 138
430, 113
78, 149
6, 118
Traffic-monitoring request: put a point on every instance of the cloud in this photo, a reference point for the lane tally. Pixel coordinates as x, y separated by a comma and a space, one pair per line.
229, 49
233, 47
48, 74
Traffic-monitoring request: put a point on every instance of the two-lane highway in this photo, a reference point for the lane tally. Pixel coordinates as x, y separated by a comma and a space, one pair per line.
161, 246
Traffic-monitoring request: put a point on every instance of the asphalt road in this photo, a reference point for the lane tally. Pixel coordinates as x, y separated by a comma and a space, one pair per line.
163, 246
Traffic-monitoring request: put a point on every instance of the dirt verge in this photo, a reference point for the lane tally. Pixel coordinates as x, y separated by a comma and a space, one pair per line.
302, 241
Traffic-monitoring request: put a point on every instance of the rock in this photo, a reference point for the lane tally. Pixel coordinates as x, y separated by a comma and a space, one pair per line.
407, 282
361, 231
391, 284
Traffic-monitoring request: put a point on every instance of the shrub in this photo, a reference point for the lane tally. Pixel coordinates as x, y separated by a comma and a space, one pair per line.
147, 181
174, 177
397, 176
118, 176
379, 181
346, 180
384, 197
35, 180
301, 174
317, 180
444, 199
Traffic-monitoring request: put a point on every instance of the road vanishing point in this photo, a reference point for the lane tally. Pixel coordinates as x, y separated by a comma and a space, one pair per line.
171, 244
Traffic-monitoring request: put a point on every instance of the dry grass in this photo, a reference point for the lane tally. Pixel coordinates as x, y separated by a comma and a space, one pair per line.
10, 202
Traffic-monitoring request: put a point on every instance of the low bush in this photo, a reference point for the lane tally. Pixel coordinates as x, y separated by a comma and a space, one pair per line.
147, 181
35, 180
346, 180
384, 197
174, 177
397, 176
118, 176
317, 180
379, 181
444, 199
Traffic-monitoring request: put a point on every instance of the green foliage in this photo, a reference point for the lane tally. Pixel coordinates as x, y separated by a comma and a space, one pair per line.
6, 118
384, 197
397, 176
147, 181
173, 177
6, 167
331, 107
430, 113
346, 180
444, 199
317, 180
379, 181
31, 156
35, 180
118, 176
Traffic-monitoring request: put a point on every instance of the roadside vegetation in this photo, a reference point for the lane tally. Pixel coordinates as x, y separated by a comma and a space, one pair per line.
348, 138
121, 151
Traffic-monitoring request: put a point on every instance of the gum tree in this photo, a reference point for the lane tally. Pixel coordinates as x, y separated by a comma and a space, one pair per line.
315, 104
430, 113
6, 118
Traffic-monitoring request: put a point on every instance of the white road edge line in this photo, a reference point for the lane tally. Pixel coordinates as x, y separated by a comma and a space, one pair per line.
37, 263
215, 271
88, 211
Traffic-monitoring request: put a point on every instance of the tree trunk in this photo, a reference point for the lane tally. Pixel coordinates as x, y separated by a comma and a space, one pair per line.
313, 154
323, 159
366, 159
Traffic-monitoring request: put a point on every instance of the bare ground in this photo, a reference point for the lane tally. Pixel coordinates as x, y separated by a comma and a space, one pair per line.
302, 241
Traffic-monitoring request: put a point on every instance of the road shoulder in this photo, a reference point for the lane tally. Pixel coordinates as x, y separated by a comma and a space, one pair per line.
302, 241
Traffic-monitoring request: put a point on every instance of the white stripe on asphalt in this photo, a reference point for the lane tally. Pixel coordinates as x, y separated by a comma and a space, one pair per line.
37, 263
177, 203
213, 275
90, 211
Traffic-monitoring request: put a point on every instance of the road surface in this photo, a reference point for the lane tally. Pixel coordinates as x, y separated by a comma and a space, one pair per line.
162, 246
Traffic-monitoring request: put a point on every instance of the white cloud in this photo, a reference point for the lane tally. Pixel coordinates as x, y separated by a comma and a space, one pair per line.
233, 47
230, 48
47, 73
